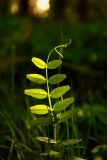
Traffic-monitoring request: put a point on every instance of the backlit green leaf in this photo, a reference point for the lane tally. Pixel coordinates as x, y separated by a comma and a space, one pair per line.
71, 141
51, 153
39, 62
57, 78
36, 78
59, 91
39, 109
40, 121
63, 104
54, 64
36, 93
46, 139
65, 116
78, 158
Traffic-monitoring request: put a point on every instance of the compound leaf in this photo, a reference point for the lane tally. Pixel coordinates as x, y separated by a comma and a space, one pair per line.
59, 91
36, 93
63, 104
57, 78
37, 78
39, 109
39, 63
54, 64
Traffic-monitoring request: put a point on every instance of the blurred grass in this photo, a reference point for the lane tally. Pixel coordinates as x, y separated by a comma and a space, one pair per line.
16, 133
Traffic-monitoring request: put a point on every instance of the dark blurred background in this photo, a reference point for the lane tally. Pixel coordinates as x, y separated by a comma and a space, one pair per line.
32, 28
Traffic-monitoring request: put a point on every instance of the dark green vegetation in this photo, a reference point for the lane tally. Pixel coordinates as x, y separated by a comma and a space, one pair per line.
84, 63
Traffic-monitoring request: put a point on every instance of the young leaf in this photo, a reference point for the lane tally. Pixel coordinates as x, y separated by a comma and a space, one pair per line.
57, 78
65, 116
39, 109
36, 93
78, 158
63, 104
39, 63
37, 78
54, 64
59, 91
46, 139
40, 121
71, 141
51, 153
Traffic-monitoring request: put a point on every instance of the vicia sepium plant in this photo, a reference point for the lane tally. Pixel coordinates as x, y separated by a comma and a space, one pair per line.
59, 109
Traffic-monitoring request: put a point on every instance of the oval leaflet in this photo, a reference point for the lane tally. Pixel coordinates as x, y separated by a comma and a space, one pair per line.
39, 63
37, 78
57, 78
36, 93
39, 109
59, 91
54, 64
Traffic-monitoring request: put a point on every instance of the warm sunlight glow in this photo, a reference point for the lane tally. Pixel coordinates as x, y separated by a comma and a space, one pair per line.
39, 7
14, 7
43, 5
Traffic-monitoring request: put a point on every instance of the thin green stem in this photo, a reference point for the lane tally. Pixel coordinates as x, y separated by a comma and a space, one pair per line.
55, 49
13, 71
11, 150
75, 131
67, 128
50, 104
73, 125
55, 136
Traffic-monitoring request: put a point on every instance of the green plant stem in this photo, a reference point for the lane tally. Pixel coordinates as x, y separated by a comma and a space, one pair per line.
68, 137
67, 128
11, 150
55, 49
50, 104
75, 130
13, 71
55, 136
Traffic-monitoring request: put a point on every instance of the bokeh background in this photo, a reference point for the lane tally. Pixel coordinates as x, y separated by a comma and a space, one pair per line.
32, 28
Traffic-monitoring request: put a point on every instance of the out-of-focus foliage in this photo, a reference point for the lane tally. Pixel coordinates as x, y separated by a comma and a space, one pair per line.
85, 58
24, 35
